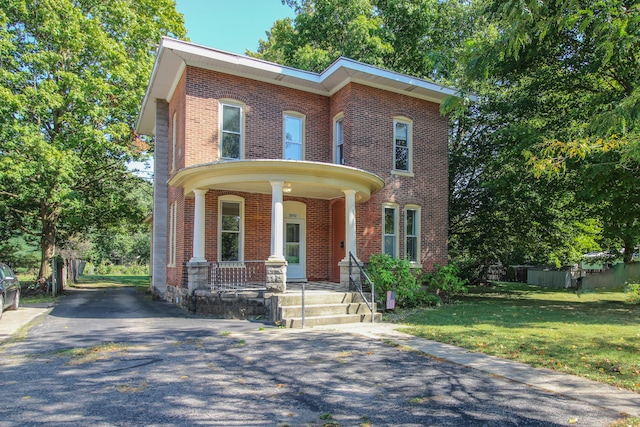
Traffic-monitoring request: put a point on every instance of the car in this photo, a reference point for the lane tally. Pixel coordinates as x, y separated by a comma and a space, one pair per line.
9, 289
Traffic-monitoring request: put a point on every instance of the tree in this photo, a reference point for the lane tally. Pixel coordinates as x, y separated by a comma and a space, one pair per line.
72, 79
577, 65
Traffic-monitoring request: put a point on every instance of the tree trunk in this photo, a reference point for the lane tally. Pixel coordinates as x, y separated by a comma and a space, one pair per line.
47, 239
628, 249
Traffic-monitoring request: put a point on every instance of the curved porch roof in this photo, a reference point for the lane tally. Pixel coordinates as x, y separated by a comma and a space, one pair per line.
304, 179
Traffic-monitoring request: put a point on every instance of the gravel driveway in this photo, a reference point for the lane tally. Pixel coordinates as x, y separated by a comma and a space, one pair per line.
113, 357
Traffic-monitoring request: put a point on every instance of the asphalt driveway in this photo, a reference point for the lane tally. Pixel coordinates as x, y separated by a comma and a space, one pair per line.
113, 357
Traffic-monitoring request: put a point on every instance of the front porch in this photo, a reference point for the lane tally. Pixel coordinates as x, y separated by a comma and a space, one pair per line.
239, 289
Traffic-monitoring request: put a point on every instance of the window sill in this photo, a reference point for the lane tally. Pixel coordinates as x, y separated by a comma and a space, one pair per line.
402, 173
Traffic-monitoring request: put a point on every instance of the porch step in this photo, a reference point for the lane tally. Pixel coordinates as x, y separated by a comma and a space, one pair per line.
319, 297
296, 322
311, 310
323, 308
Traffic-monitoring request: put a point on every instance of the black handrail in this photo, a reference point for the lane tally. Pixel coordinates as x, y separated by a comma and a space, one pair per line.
358, 284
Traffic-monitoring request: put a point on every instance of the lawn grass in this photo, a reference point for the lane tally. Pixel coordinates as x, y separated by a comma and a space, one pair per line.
595, 335
112, 280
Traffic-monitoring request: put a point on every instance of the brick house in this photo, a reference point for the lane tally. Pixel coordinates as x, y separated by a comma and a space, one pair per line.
291, 169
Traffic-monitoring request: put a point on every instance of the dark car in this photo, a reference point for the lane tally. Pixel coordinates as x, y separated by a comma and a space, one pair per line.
9, 289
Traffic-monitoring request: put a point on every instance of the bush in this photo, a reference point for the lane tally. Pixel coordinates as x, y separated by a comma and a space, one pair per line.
390, 274
444, 282
106, 269
633, 291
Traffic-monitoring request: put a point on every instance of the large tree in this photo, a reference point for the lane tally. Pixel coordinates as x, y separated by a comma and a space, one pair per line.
72, 77
577, 67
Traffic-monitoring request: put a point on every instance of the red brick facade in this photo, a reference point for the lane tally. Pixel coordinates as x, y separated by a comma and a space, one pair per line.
368, 123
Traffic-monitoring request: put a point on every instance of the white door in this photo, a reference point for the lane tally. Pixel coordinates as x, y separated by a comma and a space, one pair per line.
294, 249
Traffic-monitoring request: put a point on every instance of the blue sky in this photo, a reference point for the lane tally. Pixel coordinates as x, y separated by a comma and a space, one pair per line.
231, 25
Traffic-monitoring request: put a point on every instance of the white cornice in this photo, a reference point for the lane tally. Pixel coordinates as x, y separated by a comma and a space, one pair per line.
174, 56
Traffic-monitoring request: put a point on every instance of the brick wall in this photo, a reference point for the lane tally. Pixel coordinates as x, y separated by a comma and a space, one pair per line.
368, 135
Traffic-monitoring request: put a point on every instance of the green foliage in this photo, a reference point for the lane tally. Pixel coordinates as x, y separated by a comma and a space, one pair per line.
412, 287
106, 268
444, 282
389, 274
72, 78
633, 293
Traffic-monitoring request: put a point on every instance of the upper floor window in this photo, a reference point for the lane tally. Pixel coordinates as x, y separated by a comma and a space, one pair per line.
293, 137
412, 236
230, 131
174, 140
390, 230
231, 228
339, 140
402, 145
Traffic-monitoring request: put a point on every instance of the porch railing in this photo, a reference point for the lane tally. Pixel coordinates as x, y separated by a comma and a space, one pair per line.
362, 283
229, 276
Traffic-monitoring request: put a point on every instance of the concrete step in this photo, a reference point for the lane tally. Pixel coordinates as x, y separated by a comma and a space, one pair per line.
319, 297
296, 322
312, 310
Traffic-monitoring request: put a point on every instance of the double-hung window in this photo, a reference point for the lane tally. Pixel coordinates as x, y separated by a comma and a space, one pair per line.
402, 145
231, 228
390, 230
412, 234
174, 140
173, 233
293, 137
230, 131
339, 141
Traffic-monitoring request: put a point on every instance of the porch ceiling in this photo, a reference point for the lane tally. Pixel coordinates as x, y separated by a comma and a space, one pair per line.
305, 179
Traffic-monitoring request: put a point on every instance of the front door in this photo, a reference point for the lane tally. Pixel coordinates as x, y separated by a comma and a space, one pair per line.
295, 214
294, 249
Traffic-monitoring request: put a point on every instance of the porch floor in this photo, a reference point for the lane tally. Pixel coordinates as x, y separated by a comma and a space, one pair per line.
296, 287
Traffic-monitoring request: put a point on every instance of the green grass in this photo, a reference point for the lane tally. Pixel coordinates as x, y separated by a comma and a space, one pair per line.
595, 335
112, 280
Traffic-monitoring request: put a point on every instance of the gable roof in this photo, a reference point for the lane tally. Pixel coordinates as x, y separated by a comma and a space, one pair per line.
173, 56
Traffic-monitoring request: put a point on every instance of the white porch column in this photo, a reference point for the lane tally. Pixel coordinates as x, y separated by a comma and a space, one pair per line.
350, 221
198, 226
277, 222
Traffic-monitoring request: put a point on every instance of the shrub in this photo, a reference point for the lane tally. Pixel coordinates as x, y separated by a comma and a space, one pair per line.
444, 282
390, 274
633, 291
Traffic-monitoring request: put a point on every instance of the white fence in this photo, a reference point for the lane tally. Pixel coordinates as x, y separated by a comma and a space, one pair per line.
615, 277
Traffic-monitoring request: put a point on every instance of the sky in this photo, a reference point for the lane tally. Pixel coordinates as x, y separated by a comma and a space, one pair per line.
231, 25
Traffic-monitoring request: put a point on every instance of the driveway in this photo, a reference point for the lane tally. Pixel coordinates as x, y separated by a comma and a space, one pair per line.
113, 357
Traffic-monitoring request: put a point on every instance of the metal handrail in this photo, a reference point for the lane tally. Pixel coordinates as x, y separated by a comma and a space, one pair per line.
358, 284
230, 276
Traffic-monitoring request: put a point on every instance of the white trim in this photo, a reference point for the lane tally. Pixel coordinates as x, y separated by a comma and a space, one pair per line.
174, 55
396, 223
173, 234
303, 128
409, 123
231, 199
174, 140
338, 118
417, 225
225, 102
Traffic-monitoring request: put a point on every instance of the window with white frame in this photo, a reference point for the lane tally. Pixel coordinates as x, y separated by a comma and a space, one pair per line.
230, 131
173, 232
402, 149
390, 230
174, 140
293, 136
231, 229
412, 233
339, 140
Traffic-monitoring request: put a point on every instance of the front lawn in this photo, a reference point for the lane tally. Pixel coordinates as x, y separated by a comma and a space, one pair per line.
112, 281
595, 335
